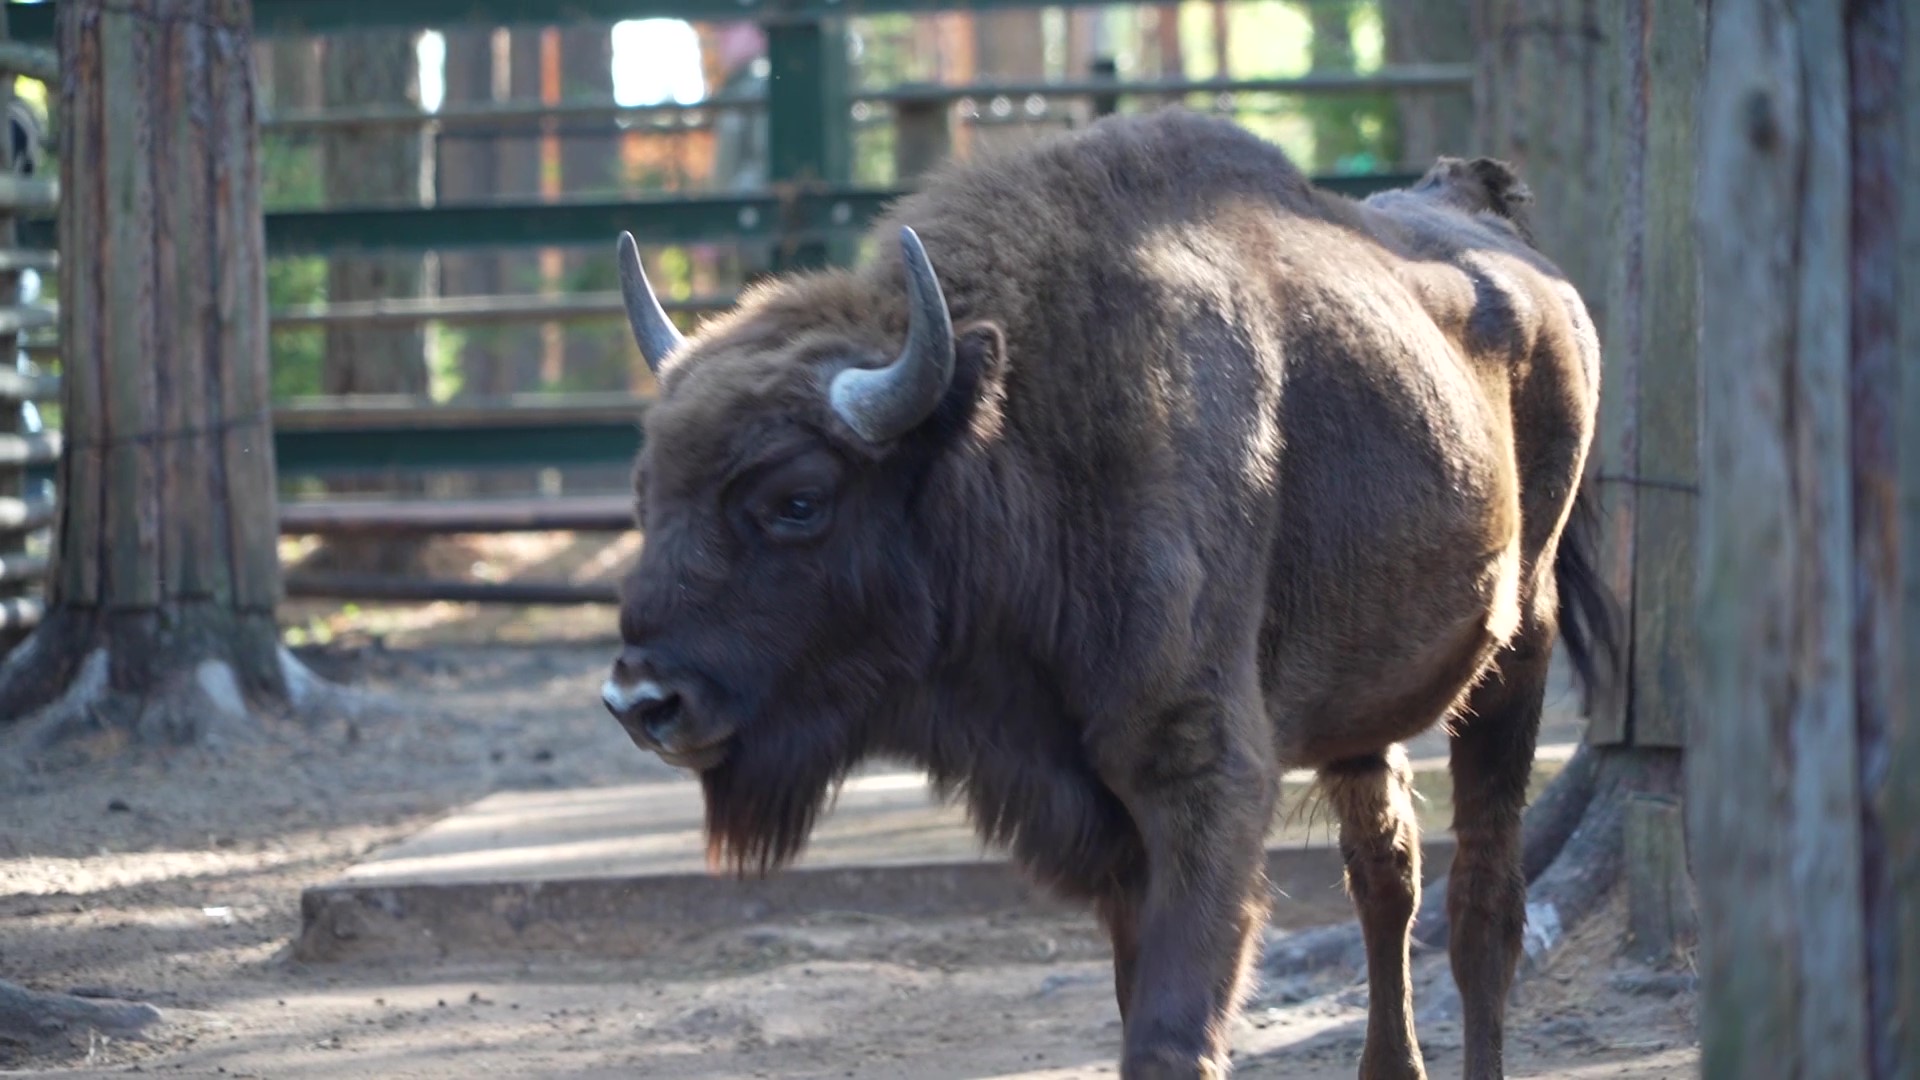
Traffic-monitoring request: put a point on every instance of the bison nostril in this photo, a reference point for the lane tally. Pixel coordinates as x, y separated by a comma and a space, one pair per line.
660, 717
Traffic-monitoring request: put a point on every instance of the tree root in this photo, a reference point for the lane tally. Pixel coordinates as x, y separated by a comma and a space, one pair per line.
85, 686
39, 1021
1570, 852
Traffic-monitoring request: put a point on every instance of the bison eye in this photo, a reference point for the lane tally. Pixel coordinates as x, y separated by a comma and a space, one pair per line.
797, 516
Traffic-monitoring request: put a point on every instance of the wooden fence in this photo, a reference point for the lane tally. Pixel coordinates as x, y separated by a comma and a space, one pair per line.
807, 215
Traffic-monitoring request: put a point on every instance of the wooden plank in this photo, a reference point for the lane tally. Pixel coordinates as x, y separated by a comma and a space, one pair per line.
15, 569
588, 513
42, 448
15, 386
1665, 657
19, 614
383, 412
125, 264
1772, 791
82, 486
21, 516
319, 586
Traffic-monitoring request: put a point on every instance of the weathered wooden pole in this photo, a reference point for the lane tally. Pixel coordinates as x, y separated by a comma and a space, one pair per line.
166, 575
1805, 836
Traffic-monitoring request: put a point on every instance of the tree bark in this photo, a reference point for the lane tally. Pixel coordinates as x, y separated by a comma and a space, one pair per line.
166, 574
1806, 844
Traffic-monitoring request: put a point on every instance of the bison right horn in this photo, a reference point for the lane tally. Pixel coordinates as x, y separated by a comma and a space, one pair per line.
657, 336
885, 403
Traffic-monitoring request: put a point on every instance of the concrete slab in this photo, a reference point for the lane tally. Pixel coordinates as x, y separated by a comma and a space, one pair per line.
620, 871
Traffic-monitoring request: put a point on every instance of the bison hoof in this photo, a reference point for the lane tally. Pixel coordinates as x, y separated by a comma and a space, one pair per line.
1170, 1065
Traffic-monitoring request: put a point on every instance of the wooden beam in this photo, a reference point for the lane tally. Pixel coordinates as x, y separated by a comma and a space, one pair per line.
591, 513
320, 586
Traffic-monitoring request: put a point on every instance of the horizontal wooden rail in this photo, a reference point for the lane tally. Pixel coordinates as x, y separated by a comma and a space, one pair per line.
794, 214
24, 318
480, 309
18, 386
271, 18
33, 61
19, 614
18, 194
42, 448
16, 568
535, 114
330, 586
349, 413
17, 259
25, 515
573, 513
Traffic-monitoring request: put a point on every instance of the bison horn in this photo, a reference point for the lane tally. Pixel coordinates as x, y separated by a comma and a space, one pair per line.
885, 403
657, 336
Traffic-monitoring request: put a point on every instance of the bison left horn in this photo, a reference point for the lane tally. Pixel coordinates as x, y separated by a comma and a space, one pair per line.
885, 403
657, 336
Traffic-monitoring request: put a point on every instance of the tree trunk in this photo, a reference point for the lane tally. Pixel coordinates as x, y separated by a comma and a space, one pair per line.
166, 576
1806, 837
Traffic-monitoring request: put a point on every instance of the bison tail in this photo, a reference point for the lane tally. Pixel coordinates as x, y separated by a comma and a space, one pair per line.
1588, 624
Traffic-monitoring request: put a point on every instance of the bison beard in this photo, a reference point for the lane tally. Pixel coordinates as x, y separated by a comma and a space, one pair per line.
1172, 474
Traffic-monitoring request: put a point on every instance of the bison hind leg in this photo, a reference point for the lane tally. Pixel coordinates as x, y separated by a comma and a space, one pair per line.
1372, 797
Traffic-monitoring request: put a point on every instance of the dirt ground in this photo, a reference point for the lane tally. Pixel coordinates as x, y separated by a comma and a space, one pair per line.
175, 879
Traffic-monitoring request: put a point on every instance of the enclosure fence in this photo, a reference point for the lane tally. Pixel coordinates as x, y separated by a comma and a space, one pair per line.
808, 213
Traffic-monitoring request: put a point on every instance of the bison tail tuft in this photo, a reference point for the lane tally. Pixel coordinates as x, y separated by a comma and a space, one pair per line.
1589, 627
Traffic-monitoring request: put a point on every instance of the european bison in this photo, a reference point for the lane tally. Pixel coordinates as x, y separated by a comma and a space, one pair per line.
1135, 472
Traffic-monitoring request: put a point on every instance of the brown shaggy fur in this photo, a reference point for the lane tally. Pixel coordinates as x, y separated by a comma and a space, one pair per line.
1233, 475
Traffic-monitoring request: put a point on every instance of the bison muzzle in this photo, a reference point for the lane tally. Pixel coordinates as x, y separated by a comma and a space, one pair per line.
1130, 472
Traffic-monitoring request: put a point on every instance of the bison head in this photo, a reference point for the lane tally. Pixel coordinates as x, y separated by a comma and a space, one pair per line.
780, 603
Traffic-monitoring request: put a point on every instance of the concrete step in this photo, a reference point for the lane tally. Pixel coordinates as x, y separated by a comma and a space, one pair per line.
619, 871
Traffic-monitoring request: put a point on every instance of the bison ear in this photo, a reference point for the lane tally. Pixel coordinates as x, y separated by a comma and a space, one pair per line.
982, 347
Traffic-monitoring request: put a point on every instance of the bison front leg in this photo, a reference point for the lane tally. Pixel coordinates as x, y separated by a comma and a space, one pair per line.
1201, 794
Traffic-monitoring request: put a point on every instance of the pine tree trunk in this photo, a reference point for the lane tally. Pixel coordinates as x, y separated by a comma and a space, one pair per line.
166, 574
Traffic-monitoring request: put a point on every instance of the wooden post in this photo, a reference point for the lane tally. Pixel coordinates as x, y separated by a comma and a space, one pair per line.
1898, 797
1804, 832
1660, 925
922, 136
168, 574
